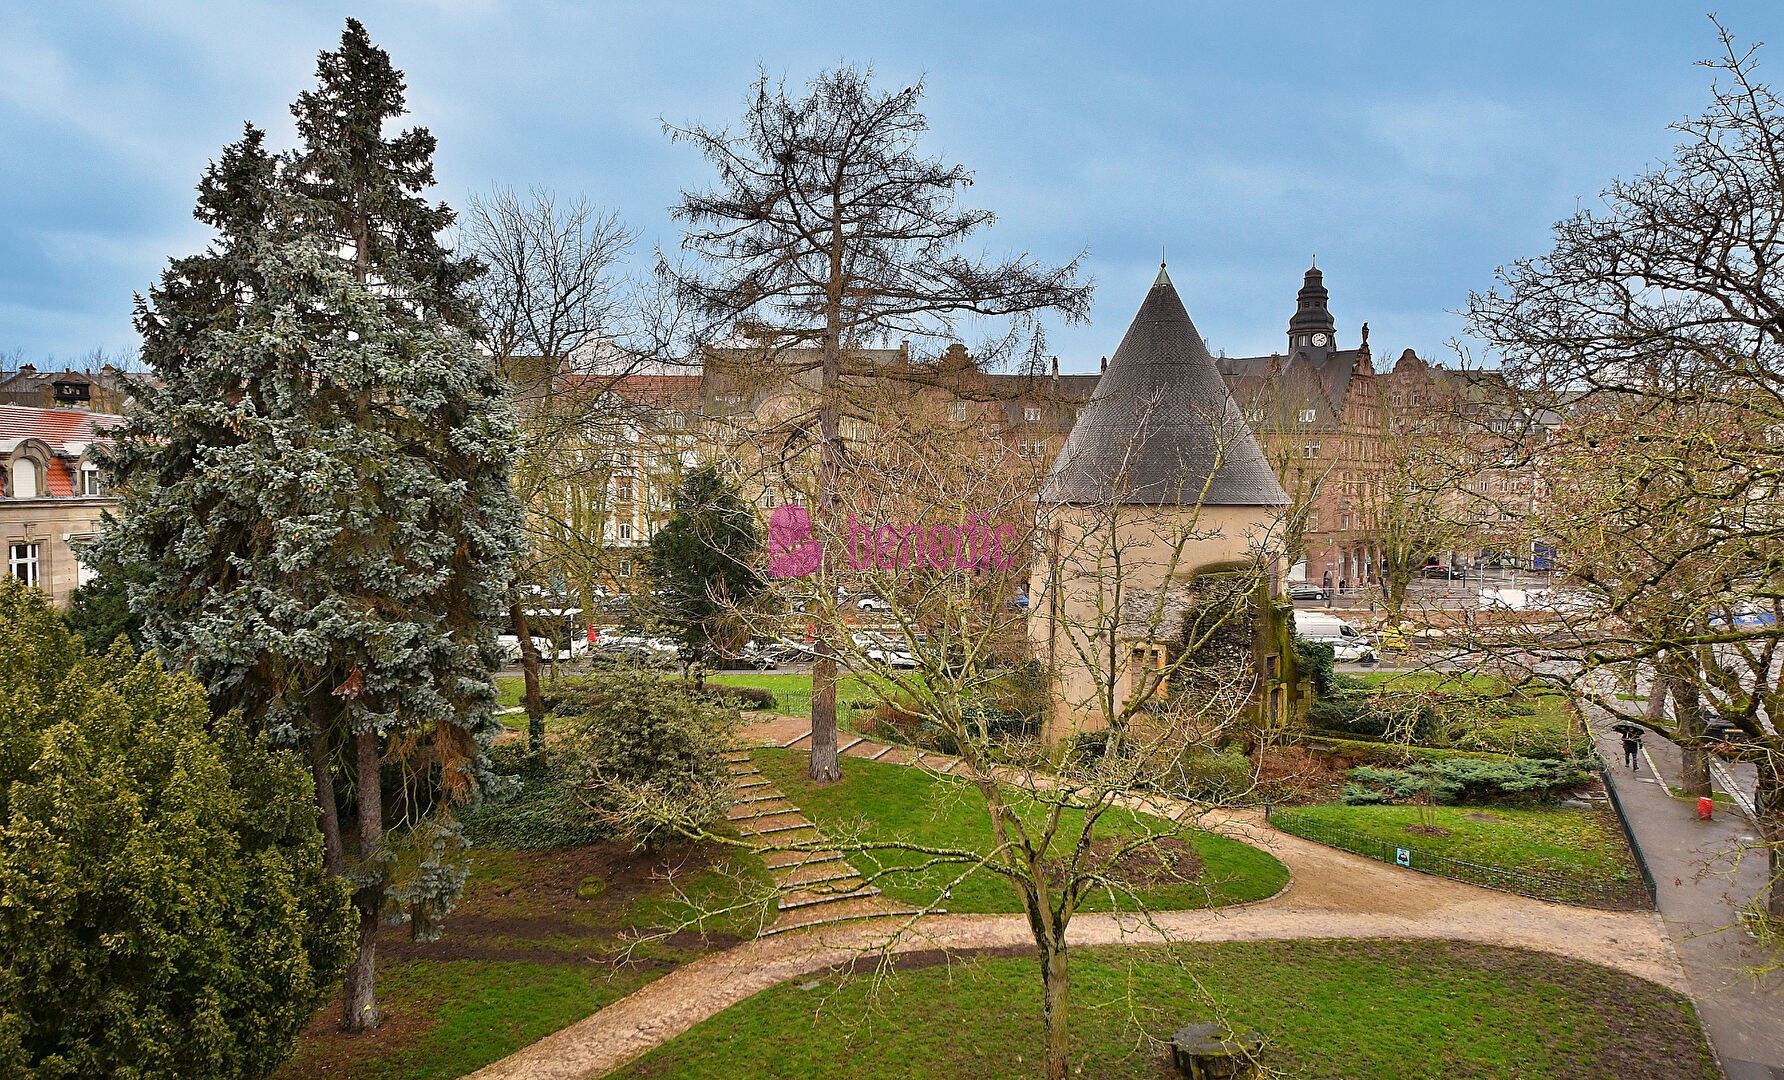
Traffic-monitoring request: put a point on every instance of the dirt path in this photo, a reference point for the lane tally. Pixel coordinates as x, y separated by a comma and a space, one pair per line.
1331, 894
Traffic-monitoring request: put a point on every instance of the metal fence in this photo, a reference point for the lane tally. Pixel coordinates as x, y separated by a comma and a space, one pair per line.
1635, 847
1586, 892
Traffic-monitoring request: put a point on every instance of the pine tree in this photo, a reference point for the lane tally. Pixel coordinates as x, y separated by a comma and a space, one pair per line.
316, 498
700, 561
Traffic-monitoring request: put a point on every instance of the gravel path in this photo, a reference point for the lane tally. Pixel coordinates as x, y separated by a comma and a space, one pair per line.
1331, 894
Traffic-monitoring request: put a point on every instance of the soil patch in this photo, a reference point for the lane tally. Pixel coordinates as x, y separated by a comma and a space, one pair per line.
1428, 830
1295, 774
1480, 816
1166, 861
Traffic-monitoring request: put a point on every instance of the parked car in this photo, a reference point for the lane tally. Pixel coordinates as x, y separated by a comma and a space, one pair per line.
872, 603
1441, 571
1349, 645
1301, 590
636, 649
510, 644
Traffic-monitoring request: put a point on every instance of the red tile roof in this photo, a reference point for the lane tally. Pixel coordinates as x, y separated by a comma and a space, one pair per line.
58, 427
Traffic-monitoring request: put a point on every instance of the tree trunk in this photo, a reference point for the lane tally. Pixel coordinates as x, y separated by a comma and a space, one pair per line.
1057, 984
360, 1000
826, 765
1688, 729
326, 809
1768, 800
529, 663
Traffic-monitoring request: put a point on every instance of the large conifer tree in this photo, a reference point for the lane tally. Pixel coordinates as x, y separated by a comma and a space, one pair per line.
316, 498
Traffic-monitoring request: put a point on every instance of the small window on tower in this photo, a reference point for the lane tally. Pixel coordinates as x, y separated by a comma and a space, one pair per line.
1309, 415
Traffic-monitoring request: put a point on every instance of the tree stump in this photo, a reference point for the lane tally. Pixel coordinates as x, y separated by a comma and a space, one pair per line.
1208, 1051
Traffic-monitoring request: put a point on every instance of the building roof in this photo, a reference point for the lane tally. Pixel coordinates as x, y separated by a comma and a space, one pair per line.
57, 427
1162, 428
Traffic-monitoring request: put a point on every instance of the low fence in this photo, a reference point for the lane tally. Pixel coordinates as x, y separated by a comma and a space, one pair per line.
1635, 847
1561, 888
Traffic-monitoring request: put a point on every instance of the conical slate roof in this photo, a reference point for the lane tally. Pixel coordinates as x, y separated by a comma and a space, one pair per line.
1160, 423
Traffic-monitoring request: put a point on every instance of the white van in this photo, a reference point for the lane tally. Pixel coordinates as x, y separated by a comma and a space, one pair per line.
1349, 645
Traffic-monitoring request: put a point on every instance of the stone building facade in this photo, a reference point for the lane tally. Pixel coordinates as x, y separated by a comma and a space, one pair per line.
51, 494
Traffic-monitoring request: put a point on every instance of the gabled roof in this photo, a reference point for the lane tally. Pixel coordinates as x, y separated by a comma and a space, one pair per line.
57, 427
1161, 425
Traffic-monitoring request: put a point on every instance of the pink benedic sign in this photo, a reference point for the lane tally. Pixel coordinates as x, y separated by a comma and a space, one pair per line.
795, 550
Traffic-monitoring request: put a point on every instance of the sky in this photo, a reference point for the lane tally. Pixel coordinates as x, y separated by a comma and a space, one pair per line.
1412, 148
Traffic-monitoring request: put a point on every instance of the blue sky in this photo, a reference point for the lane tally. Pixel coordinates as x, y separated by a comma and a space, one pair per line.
1413, 147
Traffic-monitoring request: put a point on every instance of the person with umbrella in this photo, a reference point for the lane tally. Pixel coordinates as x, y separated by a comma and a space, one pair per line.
1632, 742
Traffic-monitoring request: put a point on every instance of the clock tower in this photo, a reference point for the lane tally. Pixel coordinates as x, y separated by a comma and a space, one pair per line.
1311, 329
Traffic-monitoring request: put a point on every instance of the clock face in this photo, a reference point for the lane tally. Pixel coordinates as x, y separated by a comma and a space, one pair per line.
1320, 340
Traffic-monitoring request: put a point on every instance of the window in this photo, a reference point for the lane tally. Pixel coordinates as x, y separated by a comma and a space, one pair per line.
625, 530
622, 488
1310, 450
1034, 448
625, 568
89, 479
1399, 400
1254, 416
956, 411
1308, 416
1031, 414
22, 562
24, 479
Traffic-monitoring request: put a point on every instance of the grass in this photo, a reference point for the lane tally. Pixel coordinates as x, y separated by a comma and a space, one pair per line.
1571, 841
1720, 798
883, 802
524, 954
1356, 1010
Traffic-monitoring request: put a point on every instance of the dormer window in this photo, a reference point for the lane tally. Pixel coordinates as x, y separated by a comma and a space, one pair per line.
1031, 414
956, 411
90, 480
1308, 416
24, 483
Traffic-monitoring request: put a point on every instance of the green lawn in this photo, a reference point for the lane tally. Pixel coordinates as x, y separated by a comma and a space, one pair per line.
1572, 841
1350, 1010
792, 692
524, 954
892, 802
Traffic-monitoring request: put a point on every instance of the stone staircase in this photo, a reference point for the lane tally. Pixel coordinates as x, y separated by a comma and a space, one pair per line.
817, 887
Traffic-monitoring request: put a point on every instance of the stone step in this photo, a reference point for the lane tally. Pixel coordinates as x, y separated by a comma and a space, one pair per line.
746, 772
778, 829
751, 784
808, 874
851, 743
762, 814
784, 860
776, 797
808, 918
804, 898
883, 752
795, 742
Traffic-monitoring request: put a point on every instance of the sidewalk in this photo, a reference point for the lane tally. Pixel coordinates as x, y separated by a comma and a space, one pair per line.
1702, 890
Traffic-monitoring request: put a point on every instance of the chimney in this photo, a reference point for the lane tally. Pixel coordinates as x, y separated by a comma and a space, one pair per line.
1056, 369
1105, 366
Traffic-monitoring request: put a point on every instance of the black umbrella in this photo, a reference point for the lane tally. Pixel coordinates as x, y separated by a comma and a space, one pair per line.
1634, 731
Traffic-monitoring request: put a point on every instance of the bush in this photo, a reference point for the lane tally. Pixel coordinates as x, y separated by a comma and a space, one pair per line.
166, 912
739, 697
1214, 775
646, 758
538, 809
1316, 659
1468, 780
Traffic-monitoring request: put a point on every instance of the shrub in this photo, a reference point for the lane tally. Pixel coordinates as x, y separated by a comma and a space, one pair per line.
166, 912
1214, 775
1316, 659
1467, 780
538, 808
739, 697
646, 758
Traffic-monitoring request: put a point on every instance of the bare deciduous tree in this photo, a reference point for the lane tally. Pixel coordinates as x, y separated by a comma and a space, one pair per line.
1660, 315
829, 233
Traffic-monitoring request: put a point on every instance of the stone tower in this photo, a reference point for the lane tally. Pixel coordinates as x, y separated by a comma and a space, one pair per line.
1160, 480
